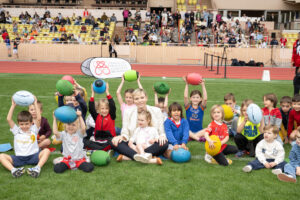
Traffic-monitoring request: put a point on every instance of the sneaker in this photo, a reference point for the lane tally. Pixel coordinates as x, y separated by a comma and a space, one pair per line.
229, 161
120, 158
57, 160
34, 171
158, 161
208, 158
286, 178
88, 159
276, 171
111, 153
141, 158
17, 172
247, 168
240, 154
148, 155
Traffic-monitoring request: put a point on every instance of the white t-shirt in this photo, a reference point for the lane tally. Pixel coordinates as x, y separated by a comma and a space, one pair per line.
265, 150
125, 106
25, 143
72, 145
143, 135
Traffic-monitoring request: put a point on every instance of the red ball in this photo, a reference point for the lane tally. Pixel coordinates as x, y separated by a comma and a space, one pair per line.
194, 78
68, 78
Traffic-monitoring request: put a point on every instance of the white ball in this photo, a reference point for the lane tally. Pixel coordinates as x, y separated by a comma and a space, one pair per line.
163, 77
23, 98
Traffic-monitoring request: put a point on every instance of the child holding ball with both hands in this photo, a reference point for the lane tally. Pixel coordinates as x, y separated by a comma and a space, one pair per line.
195, 106
219, 128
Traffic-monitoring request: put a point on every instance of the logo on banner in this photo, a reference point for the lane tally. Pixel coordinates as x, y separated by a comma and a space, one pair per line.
101, 68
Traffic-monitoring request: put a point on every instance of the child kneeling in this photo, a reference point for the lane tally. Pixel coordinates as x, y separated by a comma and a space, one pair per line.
74, 156
269, 152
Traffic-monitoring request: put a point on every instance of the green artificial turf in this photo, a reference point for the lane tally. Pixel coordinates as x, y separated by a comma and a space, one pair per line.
132, 180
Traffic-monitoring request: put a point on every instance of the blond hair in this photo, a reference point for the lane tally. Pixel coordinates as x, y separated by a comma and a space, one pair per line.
100, 102
274, 128
147, 114
246, 102
213, 108
139, 91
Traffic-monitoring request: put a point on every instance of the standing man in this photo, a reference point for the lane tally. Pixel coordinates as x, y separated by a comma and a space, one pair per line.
296, 63
125, 17
112, 50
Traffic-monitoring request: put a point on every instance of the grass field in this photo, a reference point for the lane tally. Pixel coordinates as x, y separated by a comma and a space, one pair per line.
132, 180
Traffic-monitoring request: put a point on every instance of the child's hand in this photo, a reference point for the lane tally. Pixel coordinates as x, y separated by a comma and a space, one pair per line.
202, 82
154, 91
286, 140
267, 165
152, 141
169, 92
78, 113
184, 79
184, 146
272, 164
13, 103
176, 147
246, 118
41, 138
35, 99
123, 79
107, 88
92, 90
211, 144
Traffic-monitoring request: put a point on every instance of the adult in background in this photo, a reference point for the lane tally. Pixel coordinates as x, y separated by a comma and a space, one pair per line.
125, 17
112, 50
296, 64
120, 143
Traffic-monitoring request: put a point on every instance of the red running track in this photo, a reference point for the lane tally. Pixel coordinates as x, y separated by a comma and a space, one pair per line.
149, 70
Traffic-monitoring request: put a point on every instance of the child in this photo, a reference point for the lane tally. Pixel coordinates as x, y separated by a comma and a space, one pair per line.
143, 137
16, 43
294, 118
269, 152
176, 128
293, 167
162, 103
25, 144
104, 122
271, 114
219, 128
74, 156
229, 100
128, 96
45, 129
195, 107
7, 42
248, 134
285, 108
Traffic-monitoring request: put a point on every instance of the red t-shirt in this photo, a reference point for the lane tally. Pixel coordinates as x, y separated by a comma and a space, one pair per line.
283, 41
219, 130
294, 118
296, 54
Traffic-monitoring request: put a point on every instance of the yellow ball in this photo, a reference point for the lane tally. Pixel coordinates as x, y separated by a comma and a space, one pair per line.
217, 144
227, 112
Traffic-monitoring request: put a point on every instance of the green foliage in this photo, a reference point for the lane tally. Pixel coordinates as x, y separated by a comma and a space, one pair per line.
132, 180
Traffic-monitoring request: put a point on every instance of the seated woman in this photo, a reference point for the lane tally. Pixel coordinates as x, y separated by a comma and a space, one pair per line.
120, 143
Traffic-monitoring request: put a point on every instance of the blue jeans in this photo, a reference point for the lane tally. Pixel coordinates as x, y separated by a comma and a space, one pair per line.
290, 169
255, 164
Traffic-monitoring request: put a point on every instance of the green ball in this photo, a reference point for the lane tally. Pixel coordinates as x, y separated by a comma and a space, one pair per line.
131, 75
161, 87
64, 87
100, 158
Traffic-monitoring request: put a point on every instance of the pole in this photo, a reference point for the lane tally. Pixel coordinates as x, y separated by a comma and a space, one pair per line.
225, 69
212, 62
218, 65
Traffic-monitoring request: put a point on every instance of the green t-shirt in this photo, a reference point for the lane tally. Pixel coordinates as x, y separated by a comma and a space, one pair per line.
250, 131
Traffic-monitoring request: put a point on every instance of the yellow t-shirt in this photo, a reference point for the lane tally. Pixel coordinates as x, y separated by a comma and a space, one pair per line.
250, 131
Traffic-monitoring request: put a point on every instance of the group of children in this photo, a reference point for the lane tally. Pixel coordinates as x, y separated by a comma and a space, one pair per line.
263, 140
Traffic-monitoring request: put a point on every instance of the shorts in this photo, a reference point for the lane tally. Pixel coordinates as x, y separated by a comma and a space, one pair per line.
77, 163
19, 161
15, 51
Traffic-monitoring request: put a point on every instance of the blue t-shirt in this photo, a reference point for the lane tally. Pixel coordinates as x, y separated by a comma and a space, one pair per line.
195, 117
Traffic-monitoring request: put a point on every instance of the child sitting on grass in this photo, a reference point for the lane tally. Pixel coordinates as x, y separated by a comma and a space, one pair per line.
219, 128
285, 108
269, 152
104, 118
177, 129
144, 136
195, 106
25, 144
45, 129
162, 103
229, 100
73, 154
248, 133
292, 168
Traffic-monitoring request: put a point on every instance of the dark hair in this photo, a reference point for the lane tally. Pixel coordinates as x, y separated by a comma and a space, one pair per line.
296, 98
272, 97
229, 96
24, 116
161, 99
80, 92
194, 92
286, 99
130, 90
275, 129
173, 107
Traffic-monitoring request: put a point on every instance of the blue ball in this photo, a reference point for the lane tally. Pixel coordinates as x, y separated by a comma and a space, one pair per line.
254, 113
181, 155
99, 86
23, 98
65, 114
